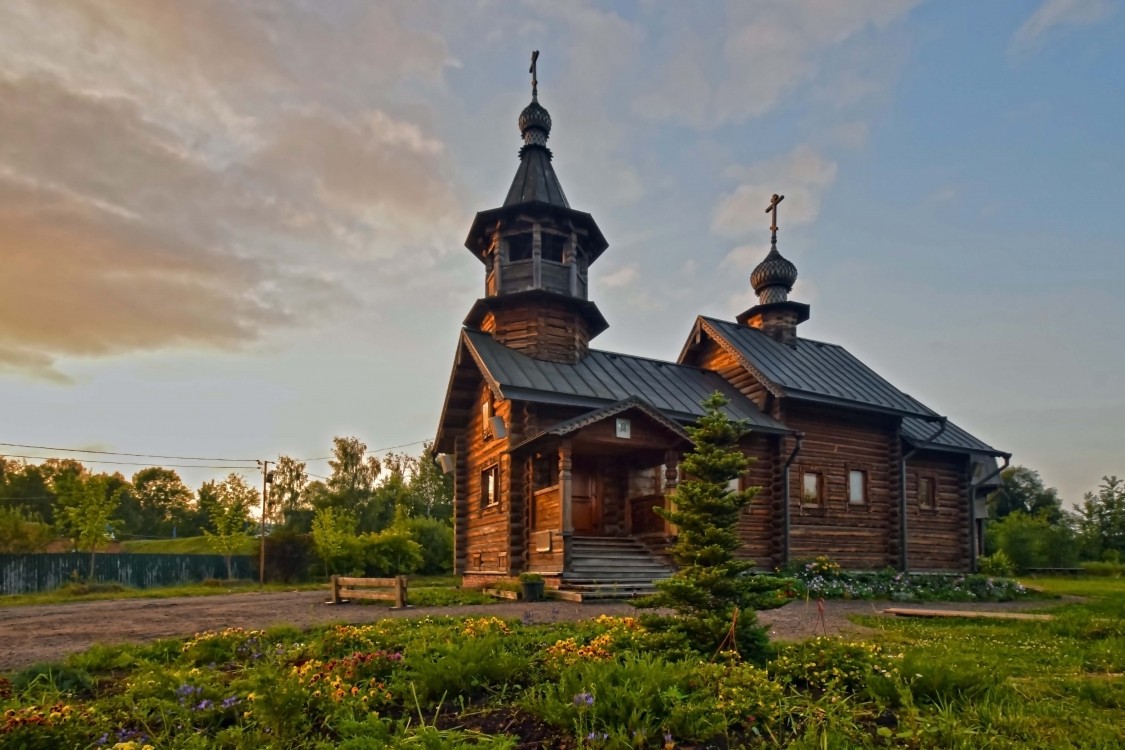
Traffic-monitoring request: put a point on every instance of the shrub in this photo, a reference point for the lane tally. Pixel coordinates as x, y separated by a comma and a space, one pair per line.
1104, 568
996, 564
390, 553
436, 540
1033, 542
531, 578
827, 663
289, 556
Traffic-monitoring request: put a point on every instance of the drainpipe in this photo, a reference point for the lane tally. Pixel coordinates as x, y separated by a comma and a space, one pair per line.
785, 494
973, 541
902, 490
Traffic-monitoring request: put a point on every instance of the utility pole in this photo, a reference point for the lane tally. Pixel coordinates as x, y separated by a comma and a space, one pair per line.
267, 479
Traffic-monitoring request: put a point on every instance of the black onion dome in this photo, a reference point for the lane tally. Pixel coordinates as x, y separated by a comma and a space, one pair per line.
773, 271
534, 115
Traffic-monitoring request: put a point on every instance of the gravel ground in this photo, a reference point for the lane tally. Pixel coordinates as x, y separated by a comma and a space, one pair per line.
30, 634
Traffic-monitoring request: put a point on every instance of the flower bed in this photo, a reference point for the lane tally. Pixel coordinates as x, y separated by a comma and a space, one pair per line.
821, 577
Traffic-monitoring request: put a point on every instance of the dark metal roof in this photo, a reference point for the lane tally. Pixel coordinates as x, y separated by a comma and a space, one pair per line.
603, 378
916, 431
536, 180
814, 371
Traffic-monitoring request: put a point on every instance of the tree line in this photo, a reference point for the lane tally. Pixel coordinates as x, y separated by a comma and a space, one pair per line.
63, 498
1029, 527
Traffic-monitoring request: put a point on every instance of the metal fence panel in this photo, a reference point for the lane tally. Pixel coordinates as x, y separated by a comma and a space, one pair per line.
29, 573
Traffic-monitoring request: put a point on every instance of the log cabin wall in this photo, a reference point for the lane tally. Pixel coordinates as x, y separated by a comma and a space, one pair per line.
937, 536
550, 331
714, 357
836, 442
487, 528
760, 527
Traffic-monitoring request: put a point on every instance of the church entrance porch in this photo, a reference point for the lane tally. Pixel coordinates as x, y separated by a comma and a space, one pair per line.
593, 485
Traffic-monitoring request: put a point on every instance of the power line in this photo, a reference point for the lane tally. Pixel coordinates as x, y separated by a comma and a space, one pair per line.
125, 463
120, 453
373, 450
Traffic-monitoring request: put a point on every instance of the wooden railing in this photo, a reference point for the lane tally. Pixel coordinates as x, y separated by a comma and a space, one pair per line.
344, 589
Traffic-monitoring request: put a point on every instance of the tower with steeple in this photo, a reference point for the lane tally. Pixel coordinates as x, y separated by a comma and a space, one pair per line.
775, 314
537, 252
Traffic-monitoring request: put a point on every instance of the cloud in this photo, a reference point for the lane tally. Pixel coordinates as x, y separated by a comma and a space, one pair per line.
621, 277
202, 175
801, 176
1054, 13
765, 51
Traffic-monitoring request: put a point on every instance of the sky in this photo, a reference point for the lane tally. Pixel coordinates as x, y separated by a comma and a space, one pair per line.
235, 230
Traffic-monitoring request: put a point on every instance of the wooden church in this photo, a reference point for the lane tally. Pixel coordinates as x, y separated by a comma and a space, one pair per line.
560, 452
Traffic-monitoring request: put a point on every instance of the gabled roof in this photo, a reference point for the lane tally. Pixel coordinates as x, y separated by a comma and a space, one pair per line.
827, 373
810, 370
597, 415
603, 378
536, 180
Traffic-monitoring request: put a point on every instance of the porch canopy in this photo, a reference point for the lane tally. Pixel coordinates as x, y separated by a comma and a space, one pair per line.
602, 472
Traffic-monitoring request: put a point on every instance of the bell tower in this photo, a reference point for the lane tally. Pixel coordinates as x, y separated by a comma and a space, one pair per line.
537, 252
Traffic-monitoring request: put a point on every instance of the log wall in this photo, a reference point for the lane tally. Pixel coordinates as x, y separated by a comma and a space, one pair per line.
938, 538
550, 331
487, 540
835, 443
760, 526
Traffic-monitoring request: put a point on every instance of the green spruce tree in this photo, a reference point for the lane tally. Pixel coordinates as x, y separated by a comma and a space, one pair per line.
714, 594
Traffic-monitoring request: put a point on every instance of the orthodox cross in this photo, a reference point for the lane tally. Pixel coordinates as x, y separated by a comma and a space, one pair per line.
773, 210
534, 79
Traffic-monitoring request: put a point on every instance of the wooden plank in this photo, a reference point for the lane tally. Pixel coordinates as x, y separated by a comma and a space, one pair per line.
368, 582
903, 612
346, 593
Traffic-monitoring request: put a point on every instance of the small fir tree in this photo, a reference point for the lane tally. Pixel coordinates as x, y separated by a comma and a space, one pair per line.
711, 585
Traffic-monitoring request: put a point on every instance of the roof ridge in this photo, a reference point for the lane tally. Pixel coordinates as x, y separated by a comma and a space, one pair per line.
649, 359
749, 328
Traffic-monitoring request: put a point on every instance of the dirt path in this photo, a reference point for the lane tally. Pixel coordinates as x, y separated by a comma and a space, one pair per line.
31, 634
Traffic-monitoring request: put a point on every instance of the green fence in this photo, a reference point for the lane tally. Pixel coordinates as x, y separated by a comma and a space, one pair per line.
25, 574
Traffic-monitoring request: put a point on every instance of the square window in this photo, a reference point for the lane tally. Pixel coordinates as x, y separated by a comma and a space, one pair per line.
735, 485
857, 487
926, 493
812, 488
490, 486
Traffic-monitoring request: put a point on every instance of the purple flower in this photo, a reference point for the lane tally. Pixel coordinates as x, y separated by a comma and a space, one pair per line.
103, 739
597, 736
583, 699
230, 702
204, 705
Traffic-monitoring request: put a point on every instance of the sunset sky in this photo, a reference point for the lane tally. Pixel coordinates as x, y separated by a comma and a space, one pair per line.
234, 229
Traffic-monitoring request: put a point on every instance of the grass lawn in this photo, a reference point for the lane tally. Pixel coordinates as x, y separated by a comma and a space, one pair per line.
187, 545
482, 682
424, 591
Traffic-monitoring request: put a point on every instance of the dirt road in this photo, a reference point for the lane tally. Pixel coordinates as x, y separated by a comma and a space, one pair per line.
31, 634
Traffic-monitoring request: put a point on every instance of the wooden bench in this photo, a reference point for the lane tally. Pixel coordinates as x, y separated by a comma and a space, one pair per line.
345, 589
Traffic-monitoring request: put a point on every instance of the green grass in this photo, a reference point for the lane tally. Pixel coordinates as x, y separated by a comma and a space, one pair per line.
187, 545
1054, 684
437, 682
100, 592
440, 590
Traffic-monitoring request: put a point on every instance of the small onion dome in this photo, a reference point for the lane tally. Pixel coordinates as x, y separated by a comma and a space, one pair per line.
534, 115
773, 271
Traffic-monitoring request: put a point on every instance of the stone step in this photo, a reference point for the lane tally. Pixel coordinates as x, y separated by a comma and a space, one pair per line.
609, 562
602, 577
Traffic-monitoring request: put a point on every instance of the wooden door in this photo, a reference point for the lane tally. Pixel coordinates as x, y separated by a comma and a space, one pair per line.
585, 504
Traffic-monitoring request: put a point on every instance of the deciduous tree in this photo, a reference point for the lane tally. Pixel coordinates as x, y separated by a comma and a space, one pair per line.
87, 505
229, 517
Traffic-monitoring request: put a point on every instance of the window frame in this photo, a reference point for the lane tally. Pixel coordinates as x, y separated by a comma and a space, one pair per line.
821, 488
932, 480
492, 470
865, 501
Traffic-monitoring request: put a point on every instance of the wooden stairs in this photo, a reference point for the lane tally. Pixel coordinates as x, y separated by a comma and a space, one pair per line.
610, 568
